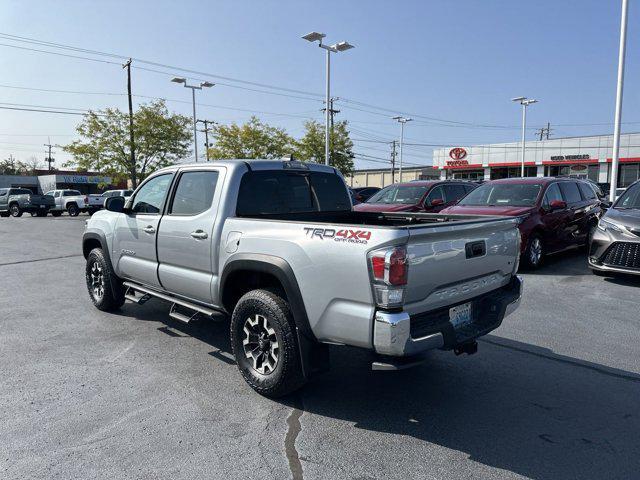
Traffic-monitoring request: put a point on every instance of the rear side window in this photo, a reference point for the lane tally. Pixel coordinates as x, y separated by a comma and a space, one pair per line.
277, 192
570, 192
194, 193
587, 191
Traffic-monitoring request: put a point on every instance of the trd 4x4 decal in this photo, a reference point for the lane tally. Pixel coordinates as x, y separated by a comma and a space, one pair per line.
343, 235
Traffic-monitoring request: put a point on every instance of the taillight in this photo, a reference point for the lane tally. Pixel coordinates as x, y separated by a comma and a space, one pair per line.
389, 271
86, 199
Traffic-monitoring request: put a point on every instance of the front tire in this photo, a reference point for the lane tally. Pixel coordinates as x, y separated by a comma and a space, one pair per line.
105, 288
263, 338
73, 210
15, 210
534, 252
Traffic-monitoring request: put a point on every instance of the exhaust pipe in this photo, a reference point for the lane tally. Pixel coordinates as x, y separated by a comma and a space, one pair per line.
468, 348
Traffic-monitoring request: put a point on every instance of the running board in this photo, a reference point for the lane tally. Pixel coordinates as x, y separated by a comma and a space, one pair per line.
132, 288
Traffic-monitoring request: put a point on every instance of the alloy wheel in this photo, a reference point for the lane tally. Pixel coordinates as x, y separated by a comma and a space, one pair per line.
535, 251
97, 281
260, 344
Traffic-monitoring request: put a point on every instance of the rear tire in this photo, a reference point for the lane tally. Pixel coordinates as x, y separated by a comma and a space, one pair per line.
105, 288
41, 214
15, 210
263, 338
73, 210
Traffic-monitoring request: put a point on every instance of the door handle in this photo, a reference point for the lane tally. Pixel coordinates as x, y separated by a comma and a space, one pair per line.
149, 229
199, 234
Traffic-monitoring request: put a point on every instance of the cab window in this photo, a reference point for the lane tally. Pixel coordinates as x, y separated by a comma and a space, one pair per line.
194, 193
151, 196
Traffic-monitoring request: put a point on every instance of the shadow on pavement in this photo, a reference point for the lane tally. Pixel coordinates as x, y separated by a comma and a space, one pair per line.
570, 262
512, 406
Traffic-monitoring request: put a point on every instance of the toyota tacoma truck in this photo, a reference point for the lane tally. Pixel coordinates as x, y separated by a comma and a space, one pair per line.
276, 246
16, 201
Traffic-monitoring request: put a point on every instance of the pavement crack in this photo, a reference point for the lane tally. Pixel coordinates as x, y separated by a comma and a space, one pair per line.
40, 259
294, 428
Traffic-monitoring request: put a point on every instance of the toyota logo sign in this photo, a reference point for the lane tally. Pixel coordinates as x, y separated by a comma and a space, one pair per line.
457, 153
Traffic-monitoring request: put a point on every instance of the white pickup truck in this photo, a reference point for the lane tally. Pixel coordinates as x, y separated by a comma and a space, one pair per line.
96, 202
71, 201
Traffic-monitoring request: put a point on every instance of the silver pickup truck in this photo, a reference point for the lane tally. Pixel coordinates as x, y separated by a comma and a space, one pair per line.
276, 246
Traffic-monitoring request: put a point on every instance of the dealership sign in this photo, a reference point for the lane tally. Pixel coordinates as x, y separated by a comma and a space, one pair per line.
562, 158
457, 153
82, 179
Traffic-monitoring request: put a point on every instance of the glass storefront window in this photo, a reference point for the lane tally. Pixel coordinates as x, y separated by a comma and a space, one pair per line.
472, 175
628, 174
512, 172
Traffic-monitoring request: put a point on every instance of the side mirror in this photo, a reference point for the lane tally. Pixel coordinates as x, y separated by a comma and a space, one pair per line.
437, 201
558, 205
114, 204
605, 204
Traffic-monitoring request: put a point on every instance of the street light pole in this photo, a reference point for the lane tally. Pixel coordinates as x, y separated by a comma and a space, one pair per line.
525, 102
327, 126
401, 121
335, 48
615, 158
193, 98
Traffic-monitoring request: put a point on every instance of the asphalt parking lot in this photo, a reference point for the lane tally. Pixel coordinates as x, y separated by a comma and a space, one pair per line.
554, 393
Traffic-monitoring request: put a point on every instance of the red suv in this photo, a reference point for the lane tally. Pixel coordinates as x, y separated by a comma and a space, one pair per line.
556, 213
419, 196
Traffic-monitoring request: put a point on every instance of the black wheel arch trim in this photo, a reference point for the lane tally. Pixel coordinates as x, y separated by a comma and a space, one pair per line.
313, 354
102, 239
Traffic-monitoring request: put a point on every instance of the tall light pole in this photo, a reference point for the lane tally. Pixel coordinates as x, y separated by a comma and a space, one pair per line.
615, 158
525, 102
401, 121
193, 97
336, 47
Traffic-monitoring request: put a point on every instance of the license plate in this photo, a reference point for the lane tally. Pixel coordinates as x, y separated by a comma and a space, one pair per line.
42, 206
460, 315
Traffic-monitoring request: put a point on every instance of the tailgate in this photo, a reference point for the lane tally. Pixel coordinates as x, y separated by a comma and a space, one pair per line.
41, 200
453, 263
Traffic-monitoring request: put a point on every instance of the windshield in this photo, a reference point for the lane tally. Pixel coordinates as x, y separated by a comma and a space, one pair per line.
499, 194
630, 198
399, 194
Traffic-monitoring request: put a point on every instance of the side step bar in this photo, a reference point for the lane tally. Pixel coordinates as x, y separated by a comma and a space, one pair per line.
132, 288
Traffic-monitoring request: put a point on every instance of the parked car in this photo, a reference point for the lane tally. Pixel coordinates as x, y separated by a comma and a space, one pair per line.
16, 201
277, 246
615, 244
362, 194
70, 201
96, 202
555, 213
430, 196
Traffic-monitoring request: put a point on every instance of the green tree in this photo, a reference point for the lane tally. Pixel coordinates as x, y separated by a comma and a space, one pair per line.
253, 139
161, 138
310, 148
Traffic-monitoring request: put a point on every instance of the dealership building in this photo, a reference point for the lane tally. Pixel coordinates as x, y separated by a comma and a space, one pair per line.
584, 157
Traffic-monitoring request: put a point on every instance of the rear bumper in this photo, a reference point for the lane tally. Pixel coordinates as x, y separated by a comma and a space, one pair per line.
399, 334
35, 208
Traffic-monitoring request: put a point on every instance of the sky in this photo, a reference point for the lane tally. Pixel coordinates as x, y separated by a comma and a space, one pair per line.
451, 65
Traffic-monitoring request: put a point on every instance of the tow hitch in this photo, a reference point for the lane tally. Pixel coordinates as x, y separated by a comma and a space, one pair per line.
468, 348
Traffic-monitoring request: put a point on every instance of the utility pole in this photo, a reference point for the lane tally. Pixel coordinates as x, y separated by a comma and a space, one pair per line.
206, 131
49, 159
544, 131
331, 112
393, 162
134, 179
